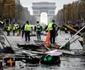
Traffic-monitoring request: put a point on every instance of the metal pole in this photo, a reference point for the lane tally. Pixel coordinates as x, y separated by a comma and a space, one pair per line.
76, 39
72, 36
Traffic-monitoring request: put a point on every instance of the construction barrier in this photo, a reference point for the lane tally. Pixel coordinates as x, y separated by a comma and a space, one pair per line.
47, 41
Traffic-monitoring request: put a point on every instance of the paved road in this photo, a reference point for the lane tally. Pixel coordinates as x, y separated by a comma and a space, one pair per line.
60, 40
67, 62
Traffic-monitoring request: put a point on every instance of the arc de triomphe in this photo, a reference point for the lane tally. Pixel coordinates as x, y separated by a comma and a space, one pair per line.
47, 7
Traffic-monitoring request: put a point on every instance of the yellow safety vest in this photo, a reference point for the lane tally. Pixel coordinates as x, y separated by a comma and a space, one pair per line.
8, 28
27, 27
38, 27
14, 28
50, 26
65, 28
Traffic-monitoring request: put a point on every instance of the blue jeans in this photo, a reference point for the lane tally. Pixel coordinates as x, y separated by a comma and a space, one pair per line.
38, 33
23, 32
27, 35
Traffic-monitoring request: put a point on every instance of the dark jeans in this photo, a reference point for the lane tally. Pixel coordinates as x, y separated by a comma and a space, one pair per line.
23, 32
27, 35
38, 33
8, 33
52, 36
13, 32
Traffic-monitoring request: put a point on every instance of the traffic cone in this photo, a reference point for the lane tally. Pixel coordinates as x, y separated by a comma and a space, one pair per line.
47, 41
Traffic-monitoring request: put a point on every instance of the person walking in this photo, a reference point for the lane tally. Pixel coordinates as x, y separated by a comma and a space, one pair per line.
8, 28
23, 32
51, 28
66, 30
38, 29
19, 30
27, 29
14, 29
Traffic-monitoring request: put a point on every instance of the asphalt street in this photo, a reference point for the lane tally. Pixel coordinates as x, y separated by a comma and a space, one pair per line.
67, 62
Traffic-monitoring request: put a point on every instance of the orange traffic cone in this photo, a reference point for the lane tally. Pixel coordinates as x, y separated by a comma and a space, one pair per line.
47, 41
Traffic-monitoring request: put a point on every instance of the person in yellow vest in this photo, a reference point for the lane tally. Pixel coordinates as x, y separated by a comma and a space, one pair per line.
8, 28
51, 27
19, 30
66, 30
14, 29
27, 30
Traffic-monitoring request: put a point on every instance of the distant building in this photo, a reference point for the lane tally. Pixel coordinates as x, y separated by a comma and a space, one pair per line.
47, 7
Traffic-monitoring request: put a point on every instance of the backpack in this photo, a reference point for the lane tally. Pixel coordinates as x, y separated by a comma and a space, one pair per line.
38, 27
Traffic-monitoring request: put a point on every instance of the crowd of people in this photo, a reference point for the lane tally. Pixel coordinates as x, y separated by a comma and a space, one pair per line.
26, 29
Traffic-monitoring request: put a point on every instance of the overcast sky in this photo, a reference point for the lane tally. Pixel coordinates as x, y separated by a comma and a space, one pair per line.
59, 3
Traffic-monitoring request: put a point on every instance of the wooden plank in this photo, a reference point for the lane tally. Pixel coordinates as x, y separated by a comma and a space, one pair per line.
53, 47
66, 51
36, 52
71, 29
63, 51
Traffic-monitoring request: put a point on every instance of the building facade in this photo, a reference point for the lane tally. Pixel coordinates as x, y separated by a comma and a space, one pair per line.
47, 7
